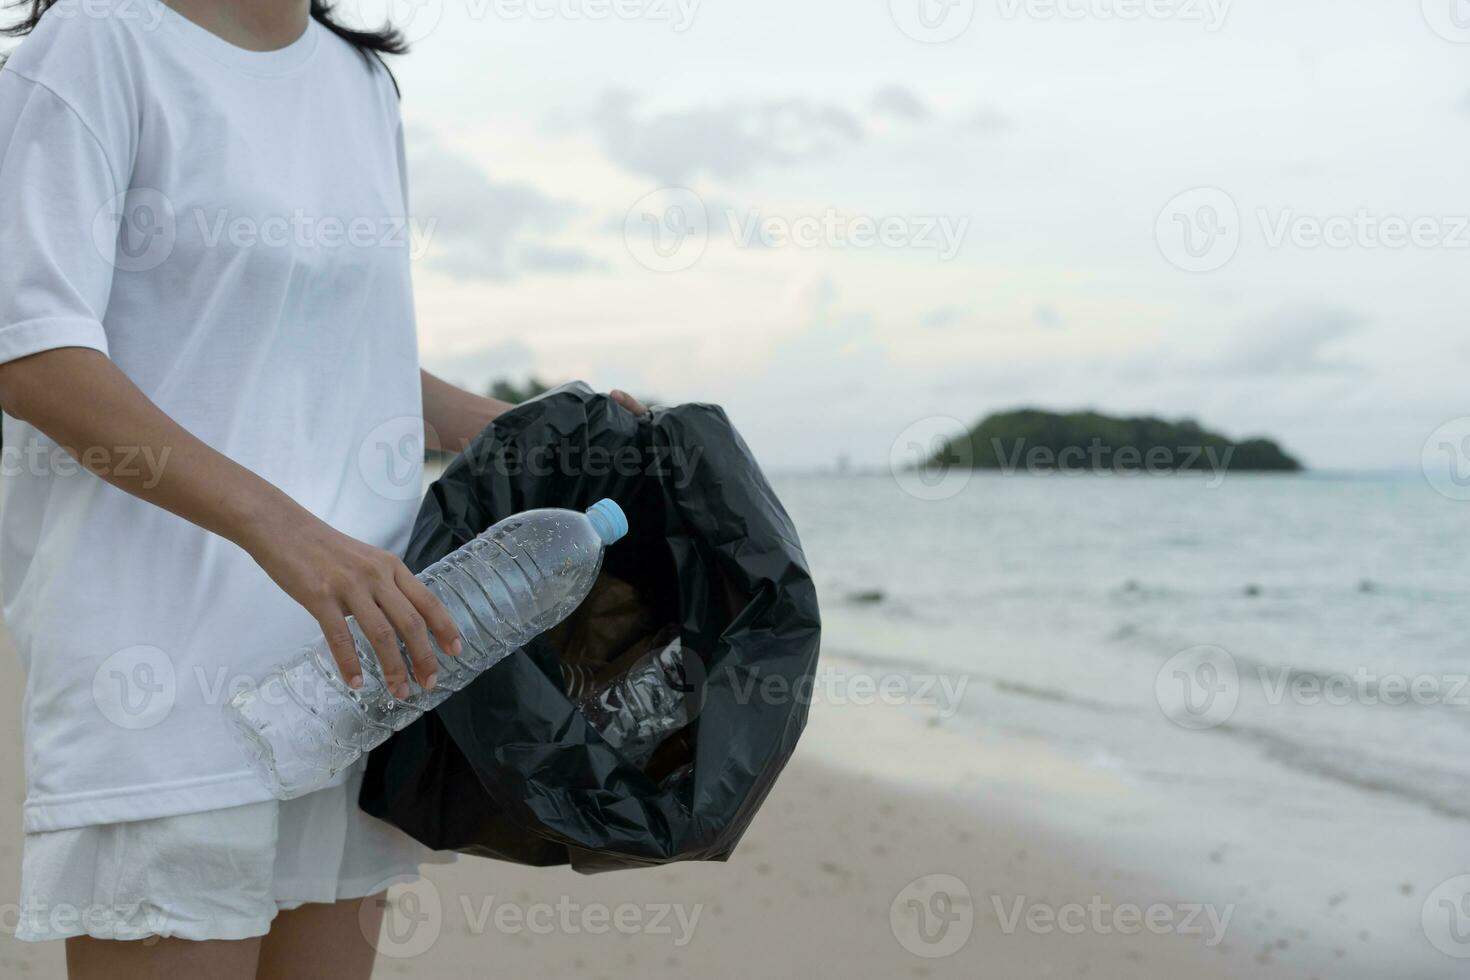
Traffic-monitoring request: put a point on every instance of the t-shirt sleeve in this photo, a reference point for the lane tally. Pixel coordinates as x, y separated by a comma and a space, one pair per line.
59, 194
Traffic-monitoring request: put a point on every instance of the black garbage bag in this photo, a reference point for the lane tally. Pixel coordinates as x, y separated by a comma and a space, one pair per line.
510, 767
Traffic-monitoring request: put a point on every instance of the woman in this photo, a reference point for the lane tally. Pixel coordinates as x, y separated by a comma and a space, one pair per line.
205, 300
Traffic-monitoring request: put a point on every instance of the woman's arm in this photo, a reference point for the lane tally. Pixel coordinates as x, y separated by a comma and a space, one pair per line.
329, 573
453, 416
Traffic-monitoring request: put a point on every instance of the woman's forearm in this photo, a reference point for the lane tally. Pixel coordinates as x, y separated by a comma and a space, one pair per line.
330, 574
453, 416
119, 434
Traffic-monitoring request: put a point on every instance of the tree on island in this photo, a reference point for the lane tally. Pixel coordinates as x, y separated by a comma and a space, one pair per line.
1035, 440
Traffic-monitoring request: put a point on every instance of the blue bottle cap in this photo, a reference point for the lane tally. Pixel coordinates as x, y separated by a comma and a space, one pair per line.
609, 521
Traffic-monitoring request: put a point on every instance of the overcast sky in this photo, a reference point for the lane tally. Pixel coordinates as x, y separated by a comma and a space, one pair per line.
1253, 213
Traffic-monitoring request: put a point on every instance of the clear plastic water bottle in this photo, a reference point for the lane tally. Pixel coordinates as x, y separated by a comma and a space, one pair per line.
303, 724
641, 707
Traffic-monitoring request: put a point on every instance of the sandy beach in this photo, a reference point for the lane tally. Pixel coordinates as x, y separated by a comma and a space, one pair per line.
892, 847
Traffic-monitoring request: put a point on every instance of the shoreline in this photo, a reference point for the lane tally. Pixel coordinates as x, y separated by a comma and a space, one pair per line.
895, 835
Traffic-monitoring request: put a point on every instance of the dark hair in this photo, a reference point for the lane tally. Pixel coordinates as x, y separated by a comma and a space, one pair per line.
372, 44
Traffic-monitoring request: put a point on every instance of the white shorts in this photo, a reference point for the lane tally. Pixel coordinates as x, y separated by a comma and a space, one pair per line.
220, 874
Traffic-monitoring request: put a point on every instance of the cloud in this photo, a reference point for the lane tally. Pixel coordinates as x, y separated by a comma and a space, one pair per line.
727, 141
480, 226
901, 103
547, 258
990, 121
1047, 316
1296, 342
945, 316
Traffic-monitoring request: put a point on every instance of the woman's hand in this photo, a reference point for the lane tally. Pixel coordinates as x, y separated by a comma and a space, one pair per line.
334, 576
629, 402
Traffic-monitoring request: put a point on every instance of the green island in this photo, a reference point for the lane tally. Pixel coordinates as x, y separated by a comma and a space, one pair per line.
1033, 440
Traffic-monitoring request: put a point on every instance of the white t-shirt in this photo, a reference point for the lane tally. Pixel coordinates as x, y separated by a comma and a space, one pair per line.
229, 227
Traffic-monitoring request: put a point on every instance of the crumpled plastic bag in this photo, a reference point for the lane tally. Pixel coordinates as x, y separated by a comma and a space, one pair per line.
510, 768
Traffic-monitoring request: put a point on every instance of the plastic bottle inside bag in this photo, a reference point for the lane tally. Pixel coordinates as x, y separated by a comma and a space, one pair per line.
636, 711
